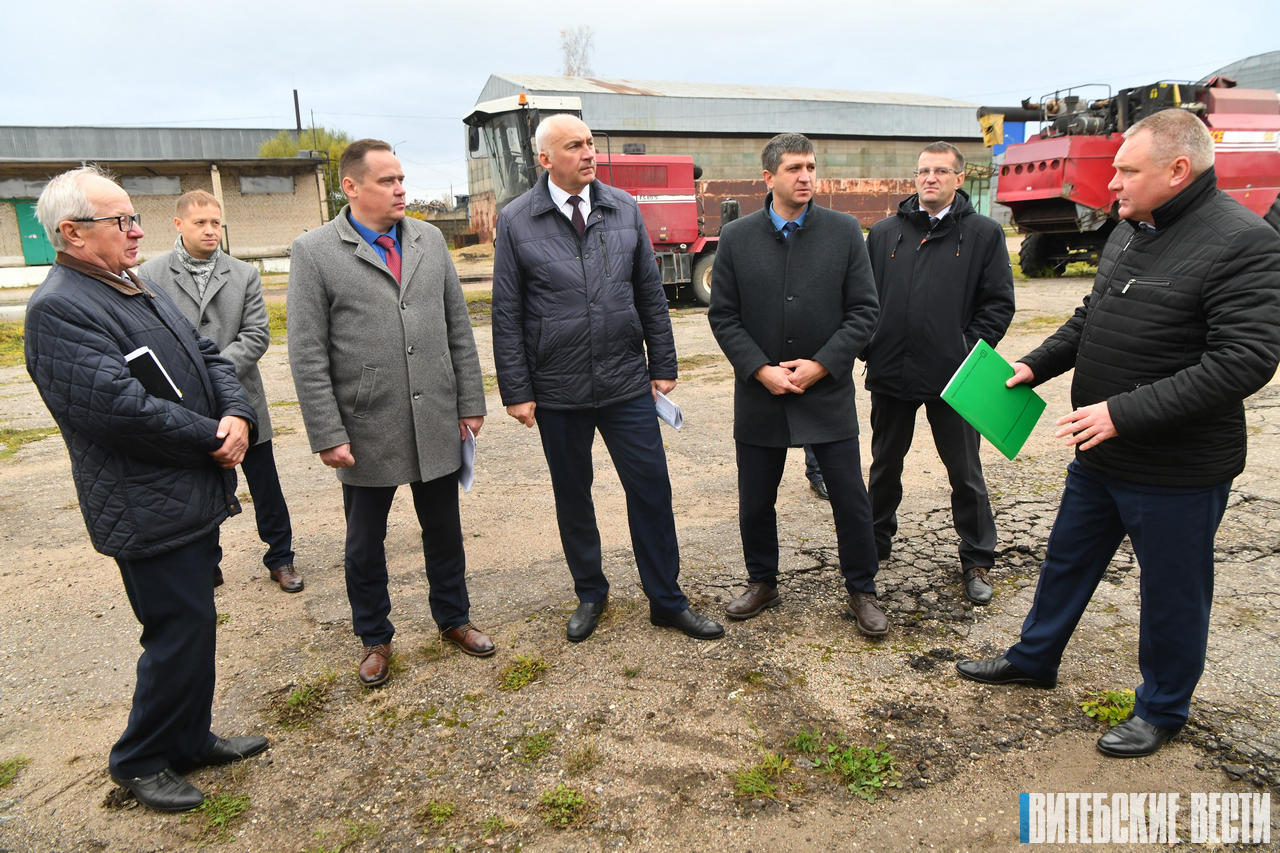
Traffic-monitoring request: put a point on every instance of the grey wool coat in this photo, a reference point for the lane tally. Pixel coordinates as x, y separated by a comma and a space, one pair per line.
774, 300
386, 367
231, 313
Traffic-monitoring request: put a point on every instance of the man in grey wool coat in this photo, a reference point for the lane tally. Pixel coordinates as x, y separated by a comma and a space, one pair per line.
222, 297
389, 383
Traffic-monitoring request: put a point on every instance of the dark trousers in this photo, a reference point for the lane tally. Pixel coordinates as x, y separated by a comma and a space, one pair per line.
760, 472
1172, 531
893, 423
367, 508
812, 470
172, 597
269, 508
630, 432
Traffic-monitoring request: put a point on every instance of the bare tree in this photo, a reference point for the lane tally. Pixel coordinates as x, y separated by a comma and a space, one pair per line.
575, 46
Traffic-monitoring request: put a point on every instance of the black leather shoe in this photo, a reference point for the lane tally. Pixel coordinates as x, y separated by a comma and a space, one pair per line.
165, 791
691, 623
977, 588
1000, 671
228, 749
819, 487
1134, 738
582, 623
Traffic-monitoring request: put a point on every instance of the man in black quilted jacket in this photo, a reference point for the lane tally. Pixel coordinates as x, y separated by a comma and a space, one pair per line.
1182, 325
153, 455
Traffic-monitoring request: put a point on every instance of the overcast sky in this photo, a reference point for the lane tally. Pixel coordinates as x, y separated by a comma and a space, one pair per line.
408, 72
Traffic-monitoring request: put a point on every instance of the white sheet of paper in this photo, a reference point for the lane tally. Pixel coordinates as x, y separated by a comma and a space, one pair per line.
669, 411
467, 475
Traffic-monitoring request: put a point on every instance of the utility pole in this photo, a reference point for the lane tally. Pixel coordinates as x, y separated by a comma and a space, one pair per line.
297, 113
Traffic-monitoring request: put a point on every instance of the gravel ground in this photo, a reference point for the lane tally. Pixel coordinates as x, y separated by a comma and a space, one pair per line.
647, 726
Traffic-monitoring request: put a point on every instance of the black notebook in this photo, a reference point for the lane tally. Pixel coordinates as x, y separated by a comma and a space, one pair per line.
148, 370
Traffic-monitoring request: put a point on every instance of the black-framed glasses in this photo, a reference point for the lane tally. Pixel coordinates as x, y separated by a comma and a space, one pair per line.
125, 222
940, 171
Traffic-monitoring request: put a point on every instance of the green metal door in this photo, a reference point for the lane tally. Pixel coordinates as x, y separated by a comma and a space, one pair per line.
36, 249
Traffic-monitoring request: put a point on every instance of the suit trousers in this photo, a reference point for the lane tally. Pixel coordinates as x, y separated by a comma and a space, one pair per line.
269, 508
893, 424
1172, 531
760, 472
630, 433
367, 508
172, 596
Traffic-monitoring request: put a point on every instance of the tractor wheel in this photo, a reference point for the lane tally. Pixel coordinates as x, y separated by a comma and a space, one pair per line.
1033, 256
702, 278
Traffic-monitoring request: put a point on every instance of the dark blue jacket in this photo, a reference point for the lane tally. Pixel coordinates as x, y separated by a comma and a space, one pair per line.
141, 464
573, 317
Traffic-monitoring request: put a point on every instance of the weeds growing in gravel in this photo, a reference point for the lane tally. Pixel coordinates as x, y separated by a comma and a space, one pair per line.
563, 806
865, 771
522, 672
1109, 706
11, 767
438, 812
532, 747
354, 833
582, 759
760, 780
217, 815
805, 743
494, 825
305, 700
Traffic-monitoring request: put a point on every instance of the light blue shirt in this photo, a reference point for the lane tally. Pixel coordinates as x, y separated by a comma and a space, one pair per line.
370, 235
778, 221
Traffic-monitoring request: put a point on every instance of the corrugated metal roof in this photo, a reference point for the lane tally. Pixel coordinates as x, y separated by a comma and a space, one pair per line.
131, 143
662, 106
1254, 72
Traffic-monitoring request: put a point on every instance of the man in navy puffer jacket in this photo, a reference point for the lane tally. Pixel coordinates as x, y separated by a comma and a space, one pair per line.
155, 478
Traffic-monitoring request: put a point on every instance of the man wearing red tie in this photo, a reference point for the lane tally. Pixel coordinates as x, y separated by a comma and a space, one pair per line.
389, 383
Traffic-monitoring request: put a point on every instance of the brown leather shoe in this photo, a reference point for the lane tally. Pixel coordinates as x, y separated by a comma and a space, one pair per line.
375, 666
288, 578
759, 596
867, 613
470, 639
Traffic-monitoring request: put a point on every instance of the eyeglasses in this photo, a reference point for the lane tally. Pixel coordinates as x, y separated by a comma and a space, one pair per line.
941, 172
124, 222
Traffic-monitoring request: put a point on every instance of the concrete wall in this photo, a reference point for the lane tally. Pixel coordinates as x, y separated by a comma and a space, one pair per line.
10, 240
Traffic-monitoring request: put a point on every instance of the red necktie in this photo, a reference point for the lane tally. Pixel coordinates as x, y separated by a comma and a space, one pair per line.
578, 221
393, 257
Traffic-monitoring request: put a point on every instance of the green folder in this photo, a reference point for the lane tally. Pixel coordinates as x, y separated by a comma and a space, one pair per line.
1004, 416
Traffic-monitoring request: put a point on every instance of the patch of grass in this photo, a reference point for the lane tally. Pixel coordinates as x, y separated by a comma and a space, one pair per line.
753, 678
353, 833
277, 322
563, 806
217, 815
759, 781
479, 304
11, 344
582, 759
11, 767
805, 743
521, 672
702, 359
630, 671
12, 440
1109, 706
224, 618
305, 700
490, 382
1039, 323
437, 812
865, 771
494, 825
532, 747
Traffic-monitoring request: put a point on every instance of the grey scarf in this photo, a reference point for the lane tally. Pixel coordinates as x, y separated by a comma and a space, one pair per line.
201, 271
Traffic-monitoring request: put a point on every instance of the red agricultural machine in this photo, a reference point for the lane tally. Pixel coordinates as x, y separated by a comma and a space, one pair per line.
1055, 183
663, 185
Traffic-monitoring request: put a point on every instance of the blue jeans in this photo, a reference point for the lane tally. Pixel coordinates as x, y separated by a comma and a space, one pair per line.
630, 432
1172, 531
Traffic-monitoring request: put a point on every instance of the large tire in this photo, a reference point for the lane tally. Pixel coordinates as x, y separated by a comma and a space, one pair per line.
1033, 256
702, 278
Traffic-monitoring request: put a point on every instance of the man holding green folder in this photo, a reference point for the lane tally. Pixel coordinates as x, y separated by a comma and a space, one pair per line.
944, 284
1182, 325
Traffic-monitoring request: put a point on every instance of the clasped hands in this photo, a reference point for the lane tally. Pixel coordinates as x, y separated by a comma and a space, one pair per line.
790, 377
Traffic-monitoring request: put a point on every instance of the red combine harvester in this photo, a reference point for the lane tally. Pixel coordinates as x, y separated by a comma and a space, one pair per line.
1055, 184
663, 185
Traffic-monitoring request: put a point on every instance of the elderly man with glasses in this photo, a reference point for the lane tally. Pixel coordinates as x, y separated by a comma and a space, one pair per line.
153, 453
943, 277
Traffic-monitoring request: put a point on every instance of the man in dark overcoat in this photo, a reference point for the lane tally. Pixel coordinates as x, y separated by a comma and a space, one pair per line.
792, 304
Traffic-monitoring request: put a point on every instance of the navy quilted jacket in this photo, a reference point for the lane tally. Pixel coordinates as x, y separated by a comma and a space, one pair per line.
574, 316
141, 464
1182, 324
